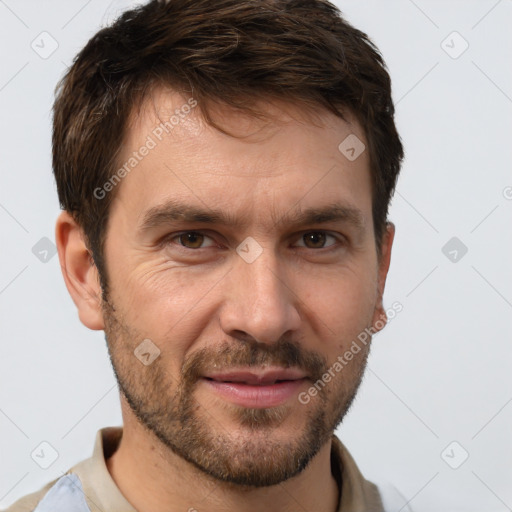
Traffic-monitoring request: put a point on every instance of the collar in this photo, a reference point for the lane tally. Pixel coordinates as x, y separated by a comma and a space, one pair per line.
102, 494
100, 490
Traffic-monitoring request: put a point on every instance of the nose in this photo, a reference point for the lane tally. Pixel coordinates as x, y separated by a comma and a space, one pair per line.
260, 302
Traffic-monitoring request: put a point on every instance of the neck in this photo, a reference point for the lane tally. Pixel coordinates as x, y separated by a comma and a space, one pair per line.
154, 479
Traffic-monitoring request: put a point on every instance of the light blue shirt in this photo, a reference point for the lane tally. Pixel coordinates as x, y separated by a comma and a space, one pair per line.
67, 494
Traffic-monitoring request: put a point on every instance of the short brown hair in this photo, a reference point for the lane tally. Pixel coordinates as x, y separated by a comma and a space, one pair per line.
232, 52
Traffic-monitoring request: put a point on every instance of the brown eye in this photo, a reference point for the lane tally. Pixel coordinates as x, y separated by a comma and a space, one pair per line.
191, 240
314, 240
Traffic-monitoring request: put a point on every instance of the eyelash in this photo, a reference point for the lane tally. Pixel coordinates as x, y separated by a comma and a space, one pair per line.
339, 238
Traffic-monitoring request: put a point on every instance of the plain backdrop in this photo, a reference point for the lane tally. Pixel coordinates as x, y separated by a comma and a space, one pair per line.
434, 413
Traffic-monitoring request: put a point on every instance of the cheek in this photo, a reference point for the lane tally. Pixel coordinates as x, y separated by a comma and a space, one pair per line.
168, 303
340, 307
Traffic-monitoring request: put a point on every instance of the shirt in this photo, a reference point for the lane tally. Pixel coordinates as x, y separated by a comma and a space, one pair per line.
88, 486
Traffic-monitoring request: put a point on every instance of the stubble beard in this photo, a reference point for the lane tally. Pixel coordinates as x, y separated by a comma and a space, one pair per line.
253, 456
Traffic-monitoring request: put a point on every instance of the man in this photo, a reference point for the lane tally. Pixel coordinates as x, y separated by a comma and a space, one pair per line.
225, 169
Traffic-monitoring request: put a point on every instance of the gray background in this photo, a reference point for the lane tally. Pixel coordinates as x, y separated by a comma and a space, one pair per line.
439, 373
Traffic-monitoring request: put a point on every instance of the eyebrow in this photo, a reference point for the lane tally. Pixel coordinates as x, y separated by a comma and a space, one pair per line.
173, 211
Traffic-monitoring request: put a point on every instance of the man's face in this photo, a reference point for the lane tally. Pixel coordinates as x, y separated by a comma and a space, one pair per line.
272, 281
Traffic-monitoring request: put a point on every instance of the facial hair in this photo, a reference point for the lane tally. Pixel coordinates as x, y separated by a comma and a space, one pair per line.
166, 406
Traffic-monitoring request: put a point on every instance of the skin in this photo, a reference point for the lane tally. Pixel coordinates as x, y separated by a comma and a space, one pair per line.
307, 296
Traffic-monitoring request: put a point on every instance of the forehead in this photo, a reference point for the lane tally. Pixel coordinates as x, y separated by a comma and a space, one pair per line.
289, 160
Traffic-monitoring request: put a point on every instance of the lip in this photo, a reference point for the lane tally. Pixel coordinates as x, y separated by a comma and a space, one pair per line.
256, 377
256, 389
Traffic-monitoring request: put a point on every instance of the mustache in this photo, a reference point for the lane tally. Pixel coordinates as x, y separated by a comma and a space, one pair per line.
250, 353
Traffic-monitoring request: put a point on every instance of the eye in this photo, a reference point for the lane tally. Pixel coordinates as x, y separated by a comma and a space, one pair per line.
192, 240
317, 240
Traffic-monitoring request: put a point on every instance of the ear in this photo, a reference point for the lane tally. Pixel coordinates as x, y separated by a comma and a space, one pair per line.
80, 273
379, 315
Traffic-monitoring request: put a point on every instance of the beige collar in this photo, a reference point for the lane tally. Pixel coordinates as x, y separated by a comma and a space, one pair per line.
102, 494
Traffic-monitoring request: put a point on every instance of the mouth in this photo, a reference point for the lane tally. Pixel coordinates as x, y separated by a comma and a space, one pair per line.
262, 377
257, 389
